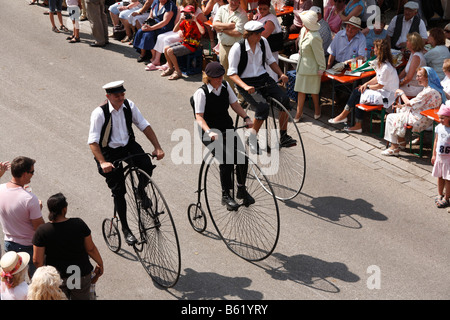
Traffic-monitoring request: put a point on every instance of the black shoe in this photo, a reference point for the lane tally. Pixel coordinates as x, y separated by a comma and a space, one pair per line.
129, 238
245, 196
287, 141
229, 202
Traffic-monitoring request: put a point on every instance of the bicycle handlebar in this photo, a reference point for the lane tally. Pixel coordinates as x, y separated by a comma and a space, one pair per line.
116, 162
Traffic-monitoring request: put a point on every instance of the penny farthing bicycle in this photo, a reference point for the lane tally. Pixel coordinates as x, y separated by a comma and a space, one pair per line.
151, 222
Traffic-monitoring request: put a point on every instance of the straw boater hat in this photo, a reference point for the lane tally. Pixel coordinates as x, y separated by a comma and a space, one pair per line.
354, 21
309, 19
12, 263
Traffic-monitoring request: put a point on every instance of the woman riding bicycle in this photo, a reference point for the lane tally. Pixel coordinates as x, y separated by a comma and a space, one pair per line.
212, 101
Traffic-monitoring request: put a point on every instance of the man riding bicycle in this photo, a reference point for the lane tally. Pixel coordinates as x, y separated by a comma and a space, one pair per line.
111, 138
247, 60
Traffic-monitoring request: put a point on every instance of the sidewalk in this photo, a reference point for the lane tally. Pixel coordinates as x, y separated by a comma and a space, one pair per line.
366, 148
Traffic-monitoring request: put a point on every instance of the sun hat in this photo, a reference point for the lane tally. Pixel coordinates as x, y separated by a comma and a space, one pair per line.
412, 5
254, 26
444, 110
114, 87
11, 263
354, 21
309, 19
214, 69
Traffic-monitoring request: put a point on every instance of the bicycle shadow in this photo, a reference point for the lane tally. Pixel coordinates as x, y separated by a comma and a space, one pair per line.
307, 271
194, 285
338, 210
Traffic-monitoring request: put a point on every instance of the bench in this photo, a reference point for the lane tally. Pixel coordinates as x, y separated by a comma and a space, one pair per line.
378, 110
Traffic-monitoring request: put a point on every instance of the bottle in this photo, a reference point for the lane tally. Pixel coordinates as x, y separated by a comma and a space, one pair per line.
366, 55
353, 63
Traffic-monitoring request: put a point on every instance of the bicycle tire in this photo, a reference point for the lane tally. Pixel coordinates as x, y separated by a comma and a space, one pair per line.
251, 232
197, 217
287, 166
158, 247
111, 234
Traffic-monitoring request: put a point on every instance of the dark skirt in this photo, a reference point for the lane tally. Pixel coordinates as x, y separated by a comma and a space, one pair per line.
147, 40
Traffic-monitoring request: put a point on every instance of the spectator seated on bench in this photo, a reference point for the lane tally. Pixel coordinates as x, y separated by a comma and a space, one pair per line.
408, 113
379, 90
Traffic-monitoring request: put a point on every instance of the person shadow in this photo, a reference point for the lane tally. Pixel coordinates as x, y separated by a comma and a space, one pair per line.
308, 271
194, 285
338, 210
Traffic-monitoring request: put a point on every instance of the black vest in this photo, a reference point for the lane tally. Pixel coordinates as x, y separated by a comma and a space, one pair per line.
244, 56
216, 109
105, 134
398, 29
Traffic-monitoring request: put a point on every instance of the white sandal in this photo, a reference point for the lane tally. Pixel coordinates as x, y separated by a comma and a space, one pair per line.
390, 152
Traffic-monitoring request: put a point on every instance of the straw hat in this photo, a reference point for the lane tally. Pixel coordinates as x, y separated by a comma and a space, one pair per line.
309, 19
13, 262
354, 21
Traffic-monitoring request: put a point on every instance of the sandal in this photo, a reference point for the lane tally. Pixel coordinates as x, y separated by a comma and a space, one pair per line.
74, 40
63, 28
175, 76
55, 29
442, 203
167, 72
390, 152
402, 145
438, 198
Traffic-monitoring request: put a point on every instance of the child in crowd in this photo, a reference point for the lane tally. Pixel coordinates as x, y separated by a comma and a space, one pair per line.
14, 267
441, 156
193, 30
73, 8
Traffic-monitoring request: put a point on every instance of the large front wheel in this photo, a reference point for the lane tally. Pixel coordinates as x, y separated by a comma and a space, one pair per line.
158, 247
251, 231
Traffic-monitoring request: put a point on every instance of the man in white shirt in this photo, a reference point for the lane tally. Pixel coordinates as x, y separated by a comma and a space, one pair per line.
111, 138
407, 23
229, 25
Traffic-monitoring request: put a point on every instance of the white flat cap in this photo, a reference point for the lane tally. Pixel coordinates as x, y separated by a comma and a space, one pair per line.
114, 87
412, 5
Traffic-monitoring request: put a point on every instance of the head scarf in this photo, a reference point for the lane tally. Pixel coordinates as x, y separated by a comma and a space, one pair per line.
435, 83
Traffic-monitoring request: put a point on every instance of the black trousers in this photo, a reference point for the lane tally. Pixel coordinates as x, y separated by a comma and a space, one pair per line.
116, 180
230, 157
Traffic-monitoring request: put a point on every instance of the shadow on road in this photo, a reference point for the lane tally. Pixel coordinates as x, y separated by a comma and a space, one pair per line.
338, 210
195, 285
307, 271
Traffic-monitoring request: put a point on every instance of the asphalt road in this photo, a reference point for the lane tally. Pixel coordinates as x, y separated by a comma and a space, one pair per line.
351, 234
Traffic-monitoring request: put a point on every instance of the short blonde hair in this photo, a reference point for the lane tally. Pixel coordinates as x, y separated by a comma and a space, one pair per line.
45, 285
416, 41
446, 65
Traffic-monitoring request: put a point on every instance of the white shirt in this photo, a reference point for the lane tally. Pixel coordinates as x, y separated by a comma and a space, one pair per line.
19, 292
119, 132
387, 76
405, 29
254, 67
200, 98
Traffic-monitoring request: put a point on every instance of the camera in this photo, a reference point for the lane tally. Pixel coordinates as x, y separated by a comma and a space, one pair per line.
188, 16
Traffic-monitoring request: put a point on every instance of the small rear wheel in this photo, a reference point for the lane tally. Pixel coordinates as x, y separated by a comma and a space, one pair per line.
197, 217
111, 234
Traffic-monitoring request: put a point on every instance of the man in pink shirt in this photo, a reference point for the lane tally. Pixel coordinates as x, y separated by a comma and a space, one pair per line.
20, 210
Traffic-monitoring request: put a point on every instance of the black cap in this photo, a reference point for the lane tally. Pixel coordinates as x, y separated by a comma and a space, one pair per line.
214, 69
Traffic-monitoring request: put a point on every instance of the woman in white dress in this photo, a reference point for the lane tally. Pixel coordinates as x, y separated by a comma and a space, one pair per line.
408, 113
